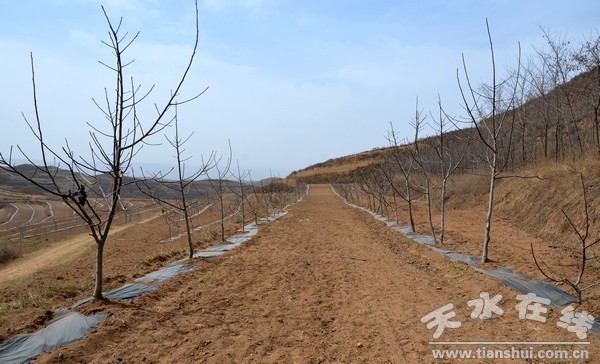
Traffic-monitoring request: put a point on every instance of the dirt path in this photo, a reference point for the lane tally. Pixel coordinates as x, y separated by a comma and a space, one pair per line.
324, 284
55, 254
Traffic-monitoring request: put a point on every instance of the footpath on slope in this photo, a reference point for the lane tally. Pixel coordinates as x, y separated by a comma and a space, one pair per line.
54, 254
326, 283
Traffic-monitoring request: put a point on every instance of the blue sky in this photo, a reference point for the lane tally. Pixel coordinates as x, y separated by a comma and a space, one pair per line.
291, 83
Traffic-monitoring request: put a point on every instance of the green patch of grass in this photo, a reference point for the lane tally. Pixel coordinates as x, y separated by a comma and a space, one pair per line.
65, 292
31, 300
457, 271
40, 299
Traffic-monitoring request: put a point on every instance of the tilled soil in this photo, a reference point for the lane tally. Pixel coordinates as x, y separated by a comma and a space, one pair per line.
326, 283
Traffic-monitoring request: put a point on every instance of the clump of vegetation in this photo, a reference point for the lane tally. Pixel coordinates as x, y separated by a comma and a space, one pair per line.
7, 254
31, 300
160, 257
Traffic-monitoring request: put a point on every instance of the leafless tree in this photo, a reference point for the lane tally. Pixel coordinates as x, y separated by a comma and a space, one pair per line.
588, 57
389, 175
111, 150
540, 82
300, 190
523, 121
254, 201
181, 185
418, 154
241, 191
487, 113
584, 244
558, 61
219, 186
374, 184
449, 160
401, 160
269, 194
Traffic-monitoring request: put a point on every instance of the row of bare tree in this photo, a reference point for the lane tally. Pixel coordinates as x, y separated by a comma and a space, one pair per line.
113, 147
545, 108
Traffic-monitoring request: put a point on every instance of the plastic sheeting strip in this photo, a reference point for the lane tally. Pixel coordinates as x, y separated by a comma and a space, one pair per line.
514, 280
68, 326
125, 292
207, 254
547, 290
165, 273
236, 240
65, 327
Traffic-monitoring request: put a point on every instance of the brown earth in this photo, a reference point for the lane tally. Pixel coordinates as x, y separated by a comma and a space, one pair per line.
62, 271
324, 284
52, 255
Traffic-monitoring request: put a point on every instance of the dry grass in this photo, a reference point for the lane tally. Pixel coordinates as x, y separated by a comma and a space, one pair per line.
160, 257
39, 299
337, 168
467, 189
537, 204
7, 254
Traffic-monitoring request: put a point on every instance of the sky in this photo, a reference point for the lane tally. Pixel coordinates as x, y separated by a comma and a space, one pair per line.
290, 83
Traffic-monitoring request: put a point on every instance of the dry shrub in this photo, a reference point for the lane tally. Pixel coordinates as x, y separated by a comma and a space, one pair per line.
7, 254
160, 257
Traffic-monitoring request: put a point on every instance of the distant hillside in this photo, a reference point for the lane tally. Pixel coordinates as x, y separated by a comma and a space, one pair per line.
560, 125
554, 138
12, 182
337, 169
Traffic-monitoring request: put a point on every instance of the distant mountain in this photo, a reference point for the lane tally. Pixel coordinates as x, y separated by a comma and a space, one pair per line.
64, 179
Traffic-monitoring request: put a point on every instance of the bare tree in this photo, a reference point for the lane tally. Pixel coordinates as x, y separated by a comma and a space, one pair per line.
111, 151
269, 194
219, 185
374, 185
486, 112
524, 95
583, 237
386, 170
558, 62
419, 156
255, 201
181, 185
564, 67
404, 163
448, 163
541, 83
588, 57
240, 192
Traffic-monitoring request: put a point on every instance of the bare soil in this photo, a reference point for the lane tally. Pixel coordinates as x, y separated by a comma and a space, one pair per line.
324, 284
52, 255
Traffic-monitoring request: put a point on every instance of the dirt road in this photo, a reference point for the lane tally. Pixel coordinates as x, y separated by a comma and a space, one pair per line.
59, 253
324, 284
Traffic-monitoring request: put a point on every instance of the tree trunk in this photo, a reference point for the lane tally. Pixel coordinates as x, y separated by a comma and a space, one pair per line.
410, 212
188, 230
488, 217
429, 216
442, 209
243, 214
597, 124
99, 258
395, 206
222, 219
